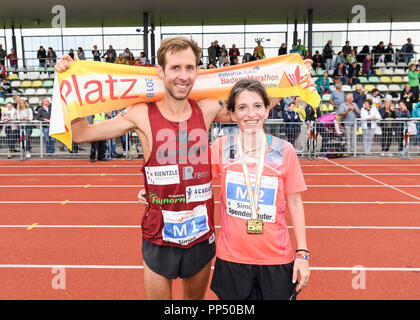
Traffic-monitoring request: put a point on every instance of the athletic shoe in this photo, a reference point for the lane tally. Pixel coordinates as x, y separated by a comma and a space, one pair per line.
382, 154
9, 155
28, 154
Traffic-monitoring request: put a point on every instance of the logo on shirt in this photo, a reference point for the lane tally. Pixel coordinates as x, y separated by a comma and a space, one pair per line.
162, 175
198, 193
189, 174
171, 199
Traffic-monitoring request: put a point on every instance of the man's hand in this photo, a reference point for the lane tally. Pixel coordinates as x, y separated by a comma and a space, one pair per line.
65, 62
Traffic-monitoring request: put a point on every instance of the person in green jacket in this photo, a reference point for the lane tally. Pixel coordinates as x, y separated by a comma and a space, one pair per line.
413, 81
323, 84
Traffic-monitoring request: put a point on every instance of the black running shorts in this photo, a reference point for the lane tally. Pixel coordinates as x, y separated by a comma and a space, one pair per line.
236, 281
174, 262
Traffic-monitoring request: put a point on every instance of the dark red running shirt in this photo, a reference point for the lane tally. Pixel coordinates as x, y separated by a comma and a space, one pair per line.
178, 181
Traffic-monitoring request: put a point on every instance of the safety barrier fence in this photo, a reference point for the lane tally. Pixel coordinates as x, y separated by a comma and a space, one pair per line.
390, 138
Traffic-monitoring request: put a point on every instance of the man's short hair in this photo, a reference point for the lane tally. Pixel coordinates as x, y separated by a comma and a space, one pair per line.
175, 44
338, 84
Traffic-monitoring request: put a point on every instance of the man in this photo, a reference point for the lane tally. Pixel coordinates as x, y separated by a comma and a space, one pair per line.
3, 55
337, 96
327, 54
389, 54
44, 115
113, 53
178, 185
407, 50
301, 49
349, 112
97, 146
233, 54
6, 87
12, 57
96, 53
346, 48
212, 53
42, 55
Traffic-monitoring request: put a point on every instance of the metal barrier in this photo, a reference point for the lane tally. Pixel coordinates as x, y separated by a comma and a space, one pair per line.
391, 138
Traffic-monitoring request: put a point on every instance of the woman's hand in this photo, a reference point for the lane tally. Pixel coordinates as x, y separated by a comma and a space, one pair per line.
142, 197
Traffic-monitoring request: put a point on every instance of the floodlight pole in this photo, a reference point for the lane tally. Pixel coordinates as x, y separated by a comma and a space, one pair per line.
310, 22
146, 33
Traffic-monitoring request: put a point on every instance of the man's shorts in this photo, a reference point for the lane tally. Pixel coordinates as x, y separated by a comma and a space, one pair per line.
237, 281
174, 262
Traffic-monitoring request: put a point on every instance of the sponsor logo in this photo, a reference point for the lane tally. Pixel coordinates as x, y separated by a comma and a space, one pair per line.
199, 193
171, 199
189, 174
162, 175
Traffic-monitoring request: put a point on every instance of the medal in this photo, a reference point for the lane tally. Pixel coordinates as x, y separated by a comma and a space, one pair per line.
253, 225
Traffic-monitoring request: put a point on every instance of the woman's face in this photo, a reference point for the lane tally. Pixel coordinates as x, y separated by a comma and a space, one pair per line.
250, 111
291, 107
22, 105
366, 105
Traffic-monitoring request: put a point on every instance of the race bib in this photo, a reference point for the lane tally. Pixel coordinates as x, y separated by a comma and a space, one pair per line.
184, 227
237, 202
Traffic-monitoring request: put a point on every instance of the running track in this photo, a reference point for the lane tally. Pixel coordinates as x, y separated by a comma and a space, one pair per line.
84, 218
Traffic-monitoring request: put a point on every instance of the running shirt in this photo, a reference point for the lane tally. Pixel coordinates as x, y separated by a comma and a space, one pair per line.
281, 176
178, 181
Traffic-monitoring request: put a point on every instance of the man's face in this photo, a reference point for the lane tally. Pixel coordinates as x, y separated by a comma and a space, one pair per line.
45, 102
179, 74
349, 98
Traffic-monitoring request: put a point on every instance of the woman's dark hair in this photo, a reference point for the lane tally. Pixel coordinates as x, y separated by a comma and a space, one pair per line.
368, 101
250, 85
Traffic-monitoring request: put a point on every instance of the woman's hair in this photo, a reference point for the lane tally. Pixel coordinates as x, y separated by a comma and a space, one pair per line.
250, 85
368, 101
358, 87
25, 102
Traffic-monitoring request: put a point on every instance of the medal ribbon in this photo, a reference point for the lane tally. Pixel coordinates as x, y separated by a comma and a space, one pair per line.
252, 196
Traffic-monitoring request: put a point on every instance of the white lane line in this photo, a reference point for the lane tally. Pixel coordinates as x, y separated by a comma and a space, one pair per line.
373, 179
216, 202
136, 267
217, 227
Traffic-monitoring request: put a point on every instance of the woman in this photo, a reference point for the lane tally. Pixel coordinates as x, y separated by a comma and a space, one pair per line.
291, 123
12, 133
120, 59
367, 67
369, 114
323, 84
351, 57
131, 60
255, 259
81, 53
96, 53
340, 74
340, 59
25, 114
407, 95
387, 113
282, 49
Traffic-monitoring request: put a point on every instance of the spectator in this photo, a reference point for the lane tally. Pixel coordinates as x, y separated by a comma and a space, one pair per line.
401, 113
223, 49
389, 54
11, 129
301, 49
51, 57
318, 62
354, 73
277, 111
351, 57
222, 59
235, 62
359, 96
218, 49
369, 115
16, 101
307, 55
130, 59
291, 119
259, 50
323, 84
3, 74
120, 59
25, 114
81, 53
413, 81
376, 98
6, 87
97, 147
416, 114
96, 53
340, 74
233, 54
407, 95
110, 58
387, 113
126, 53
42, 56
362, 54
346, 48
44, 115
368, 67
349, 111
337, 96
112, 52
143, 58
294, 49
407, 50
3, 55
300, 107
13, 60
71, 53
282, 49
378, 51
399, 57
340, 59
327, 54
418, 65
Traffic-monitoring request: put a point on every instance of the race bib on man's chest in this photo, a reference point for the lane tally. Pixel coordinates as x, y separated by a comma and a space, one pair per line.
237, 202
184, 227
